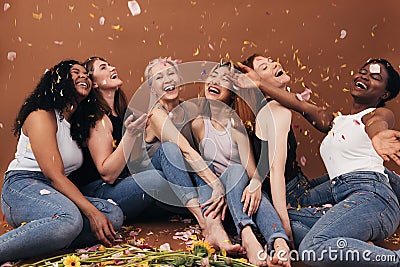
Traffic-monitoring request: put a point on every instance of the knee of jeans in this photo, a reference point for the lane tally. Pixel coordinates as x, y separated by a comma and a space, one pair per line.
116, 217
235, 173
69, 227
170, 149
112, 211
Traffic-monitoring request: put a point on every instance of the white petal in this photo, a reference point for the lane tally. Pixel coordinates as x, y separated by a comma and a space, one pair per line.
134, 7
374, 68
343, 34
11, 55
112, 201
44, 192
102, 20
6, 6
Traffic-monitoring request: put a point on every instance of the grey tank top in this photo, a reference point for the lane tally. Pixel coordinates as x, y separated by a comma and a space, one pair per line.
218, 147
184, 127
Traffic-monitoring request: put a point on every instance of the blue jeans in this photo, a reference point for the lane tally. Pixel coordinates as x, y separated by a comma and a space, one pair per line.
316, 193
126, 192
52, 220
366, 209
235, 180
169, 160
304, 192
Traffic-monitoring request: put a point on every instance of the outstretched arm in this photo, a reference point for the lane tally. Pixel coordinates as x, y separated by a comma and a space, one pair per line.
319, 117
385, 140
41, 127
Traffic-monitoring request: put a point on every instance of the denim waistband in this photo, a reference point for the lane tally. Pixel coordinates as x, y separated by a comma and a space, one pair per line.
367, 175
18, 174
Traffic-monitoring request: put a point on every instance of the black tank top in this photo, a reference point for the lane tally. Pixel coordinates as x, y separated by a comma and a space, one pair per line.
292, 168
88, 172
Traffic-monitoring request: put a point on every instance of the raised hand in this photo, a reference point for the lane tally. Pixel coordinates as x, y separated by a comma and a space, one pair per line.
247, 80
135, 126
387, 145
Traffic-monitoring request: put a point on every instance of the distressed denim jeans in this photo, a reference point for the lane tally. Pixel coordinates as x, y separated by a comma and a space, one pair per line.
52, 220
365, 209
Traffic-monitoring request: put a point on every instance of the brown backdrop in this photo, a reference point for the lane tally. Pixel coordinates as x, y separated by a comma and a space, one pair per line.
304, 35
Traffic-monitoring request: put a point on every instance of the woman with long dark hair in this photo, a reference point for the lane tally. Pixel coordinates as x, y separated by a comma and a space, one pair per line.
46, 209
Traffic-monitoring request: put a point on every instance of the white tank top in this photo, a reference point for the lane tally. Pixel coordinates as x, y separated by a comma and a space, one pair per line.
348, 148
218, 147
70, 153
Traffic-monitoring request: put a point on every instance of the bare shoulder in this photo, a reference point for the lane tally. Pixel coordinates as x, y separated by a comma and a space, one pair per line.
103, 124
198, 123
277, 108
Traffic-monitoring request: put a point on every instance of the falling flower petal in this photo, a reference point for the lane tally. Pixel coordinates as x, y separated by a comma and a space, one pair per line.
11, 56
303, 161
343, 34
196, 52
6, 6
134, 8
102, 20
37, 16
305, 95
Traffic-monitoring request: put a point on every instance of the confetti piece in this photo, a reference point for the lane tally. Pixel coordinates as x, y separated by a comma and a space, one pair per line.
71, 8
211, 47
117, 27
303, 161
102, 20
343, 34
58, 42
1, 125
6, 6
134, 8
196, 52
356, 122
37, 16
44, 192
165, 247
305, 95
11, 56
374, 68
112, 202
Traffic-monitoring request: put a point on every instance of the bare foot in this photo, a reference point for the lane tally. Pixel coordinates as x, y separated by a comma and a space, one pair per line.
281, 256
215, 234
254, 251
193, 206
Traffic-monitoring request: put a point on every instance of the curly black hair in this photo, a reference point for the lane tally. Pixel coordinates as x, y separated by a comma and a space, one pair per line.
54, 91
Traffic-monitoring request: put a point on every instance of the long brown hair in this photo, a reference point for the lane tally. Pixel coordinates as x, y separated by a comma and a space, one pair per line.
120, 100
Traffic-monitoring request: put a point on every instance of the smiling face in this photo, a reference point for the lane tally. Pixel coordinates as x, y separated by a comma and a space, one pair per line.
218, 86
271, 71
105, 76
82, 83
369, 84
164, 81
